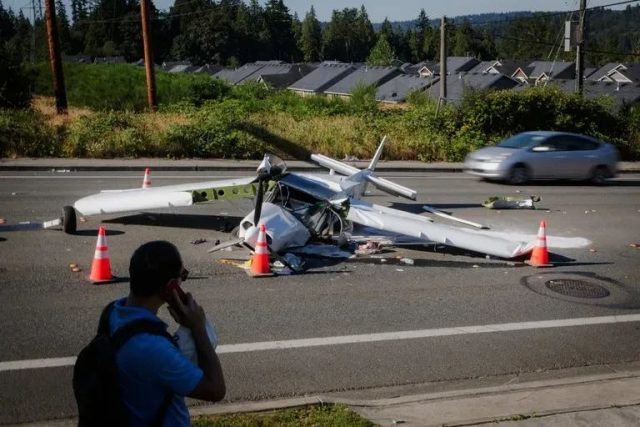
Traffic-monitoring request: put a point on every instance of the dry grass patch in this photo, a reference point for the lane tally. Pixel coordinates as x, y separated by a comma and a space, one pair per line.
46, 105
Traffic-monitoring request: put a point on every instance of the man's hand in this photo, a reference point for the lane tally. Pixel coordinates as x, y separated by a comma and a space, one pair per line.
188, 313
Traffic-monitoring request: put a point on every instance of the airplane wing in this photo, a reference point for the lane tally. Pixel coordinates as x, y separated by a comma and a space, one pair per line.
115, 201
408, 224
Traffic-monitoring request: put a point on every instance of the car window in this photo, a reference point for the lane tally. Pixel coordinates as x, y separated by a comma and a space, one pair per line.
576, 143
521, 140
555, 143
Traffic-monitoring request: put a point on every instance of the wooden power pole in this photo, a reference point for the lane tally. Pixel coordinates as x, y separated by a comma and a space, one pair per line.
443, 59
580, 48
54, 57
148, 55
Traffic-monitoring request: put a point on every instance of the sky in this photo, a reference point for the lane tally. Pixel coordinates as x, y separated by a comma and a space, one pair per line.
395, 10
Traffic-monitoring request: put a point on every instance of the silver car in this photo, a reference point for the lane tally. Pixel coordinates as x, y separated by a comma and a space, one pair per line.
545, 155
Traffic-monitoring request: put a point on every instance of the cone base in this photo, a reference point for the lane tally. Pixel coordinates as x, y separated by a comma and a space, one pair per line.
102, 281
252, 274
533, 264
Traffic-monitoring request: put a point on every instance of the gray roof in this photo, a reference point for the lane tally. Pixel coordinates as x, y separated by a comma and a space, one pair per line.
506, 67
109, 60
272, 68
625, 71
398, 88
457, 64
457, 85
553, 69
620, 93
324, 76
235, 76
283, 80
363, 76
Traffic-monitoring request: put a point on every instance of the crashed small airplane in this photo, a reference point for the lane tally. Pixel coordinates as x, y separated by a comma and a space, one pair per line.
297, 208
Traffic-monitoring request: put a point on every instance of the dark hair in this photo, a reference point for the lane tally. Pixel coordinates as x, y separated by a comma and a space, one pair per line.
152, 265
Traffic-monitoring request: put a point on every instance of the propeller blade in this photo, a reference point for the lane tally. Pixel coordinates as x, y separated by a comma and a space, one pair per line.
258, 207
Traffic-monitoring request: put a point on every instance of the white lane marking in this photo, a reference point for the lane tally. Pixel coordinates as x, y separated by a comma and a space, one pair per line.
364, 338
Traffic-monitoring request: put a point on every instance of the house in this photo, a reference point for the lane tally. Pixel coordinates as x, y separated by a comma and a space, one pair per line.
82, 59
400, 87
324, 76
236, 75
619, 93
109, 60
506, 67
363, 76
458, 85
543, 71
179, 67
428, 69
285, 77
455, 65
622, 73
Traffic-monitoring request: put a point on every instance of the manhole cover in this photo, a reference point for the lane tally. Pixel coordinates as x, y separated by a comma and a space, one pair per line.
577, 288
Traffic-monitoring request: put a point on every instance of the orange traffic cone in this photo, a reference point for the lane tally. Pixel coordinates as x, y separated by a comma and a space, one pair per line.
101, 266
540, 255
260, 261
146, 181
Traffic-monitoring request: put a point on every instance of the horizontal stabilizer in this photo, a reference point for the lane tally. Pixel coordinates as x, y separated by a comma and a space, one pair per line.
335, 165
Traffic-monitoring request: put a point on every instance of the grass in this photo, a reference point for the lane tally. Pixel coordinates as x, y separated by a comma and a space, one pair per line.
310, 416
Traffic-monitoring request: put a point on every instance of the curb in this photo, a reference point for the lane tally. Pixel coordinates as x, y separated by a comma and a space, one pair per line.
243, 407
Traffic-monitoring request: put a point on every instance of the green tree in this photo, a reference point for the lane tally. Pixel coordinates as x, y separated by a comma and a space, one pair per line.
311, 37
64, 31
278, 23
382, 53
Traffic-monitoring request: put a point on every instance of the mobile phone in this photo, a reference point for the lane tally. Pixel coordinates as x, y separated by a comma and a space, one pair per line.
168, 292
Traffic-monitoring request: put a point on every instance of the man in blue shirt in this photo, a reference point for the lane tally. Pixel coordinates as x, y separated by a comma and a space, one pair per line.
153, 375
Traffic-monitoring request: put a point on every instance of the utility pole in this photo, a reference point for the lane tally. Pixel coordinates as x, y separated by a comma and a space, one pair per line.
443, 60
580, 48
148, 56
54, 57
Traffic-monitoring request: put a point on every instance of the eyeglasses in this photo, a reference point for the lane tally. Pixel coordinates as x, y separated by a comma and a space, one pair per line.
184, 274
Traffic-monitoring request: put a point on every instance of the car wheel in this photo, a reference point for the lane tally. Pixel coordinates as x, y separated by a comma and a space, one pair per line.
599, 175
518, 175
69, 223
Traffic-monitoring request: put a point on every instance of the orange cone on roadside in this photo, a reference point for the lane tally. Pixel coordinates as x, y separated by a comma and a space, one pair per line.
540, 255
146, 181
101, 266
260, 261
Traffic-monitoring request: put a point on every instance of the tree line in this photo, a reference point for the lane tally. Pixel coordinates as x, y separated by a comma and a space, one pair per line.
232, 32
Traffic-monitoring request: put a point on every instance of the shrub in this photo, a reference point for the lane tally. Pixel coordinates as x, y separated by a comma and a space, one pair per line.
24, 133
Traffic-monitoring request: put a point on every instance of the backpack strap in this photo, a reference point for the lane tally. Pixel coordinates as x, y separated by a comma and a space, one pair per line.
122, 335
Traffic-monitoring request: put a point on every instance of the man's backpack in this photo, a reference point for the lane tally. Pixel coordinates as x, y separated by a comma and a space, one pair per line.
95, 374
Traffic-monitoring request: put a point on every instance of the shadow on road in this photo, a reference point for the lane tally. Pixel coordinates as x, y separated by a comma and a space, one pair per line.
202, 222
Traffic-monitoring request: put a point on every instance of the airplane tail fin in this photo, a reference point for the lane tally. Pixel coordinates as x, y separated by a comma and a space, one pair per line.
376, 157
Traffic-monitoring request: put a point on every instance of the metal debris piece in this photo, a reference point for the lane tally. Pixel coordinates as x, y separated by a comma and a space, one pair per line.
407, 261
296, 263
502, 202
592, 250
634, 245
476, 266
198, 241
76, 269
369, 248
73, 265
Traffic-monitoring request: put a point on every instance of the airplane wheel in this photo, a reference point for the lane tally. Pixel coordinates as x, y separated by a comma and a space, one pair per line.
69, 222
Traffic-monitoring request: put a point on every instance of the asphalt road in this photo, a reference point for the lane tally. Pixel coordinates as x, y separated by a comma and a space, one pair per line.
50, 312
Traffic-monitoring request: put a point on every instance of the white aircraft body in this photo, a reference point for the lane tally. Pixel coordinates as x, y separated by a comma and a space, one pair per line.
297, 208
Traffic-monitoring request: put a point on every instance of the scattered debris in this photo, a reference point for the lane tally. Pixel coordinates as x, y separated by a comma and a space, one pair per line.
369, 248
592, 250
241, 263
3, 221
407, 261
502, 202
294, 262
398, 421
399, 269
75, 268
634, 245
476, 266
200, 241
